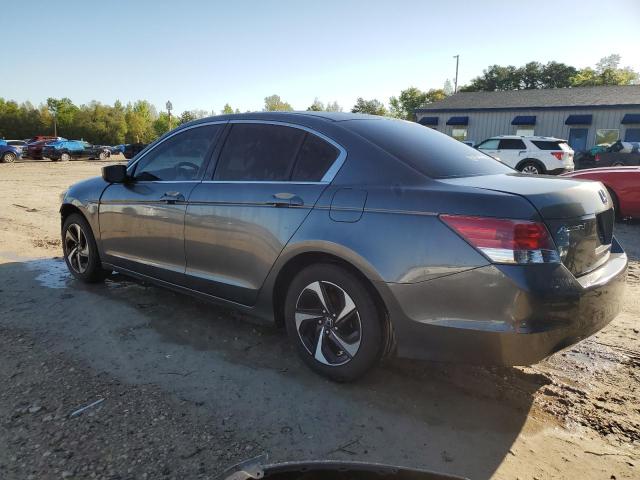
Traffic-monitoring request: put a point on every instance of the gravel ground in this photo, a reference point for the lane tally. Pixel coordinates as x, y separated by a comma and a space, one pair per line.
188, 389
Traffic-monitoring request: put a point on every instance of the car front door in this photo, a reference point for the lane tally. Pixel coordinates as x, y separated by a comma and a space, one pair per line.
490, 147
267, 179
142, 220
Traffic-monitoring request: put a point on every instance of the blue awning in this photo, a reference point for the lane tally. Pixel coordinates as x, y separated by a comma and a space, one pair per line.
428, 121
578, 120
631, 118
524, 120
458, 121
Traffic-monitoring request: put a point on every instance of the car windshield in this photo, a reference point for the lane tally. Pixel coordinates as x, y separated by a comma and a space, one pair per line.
431, 153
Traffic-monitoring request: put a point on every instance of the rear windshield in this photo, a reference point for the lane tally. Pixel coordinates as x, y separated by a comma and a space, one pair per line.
550, 145
432, 153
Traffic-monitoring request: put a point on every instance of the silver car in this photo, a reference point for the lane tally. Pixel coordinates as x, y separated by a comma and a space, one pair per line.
364, 236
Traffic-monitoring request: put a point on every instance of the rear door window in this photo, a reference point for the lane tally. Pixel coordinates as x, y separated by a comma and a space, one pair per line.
512, 144
314, 159
259, 152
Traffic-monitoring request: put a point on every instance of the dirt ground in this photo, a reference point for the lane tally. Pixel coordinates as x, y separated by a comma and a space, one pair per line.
186, 389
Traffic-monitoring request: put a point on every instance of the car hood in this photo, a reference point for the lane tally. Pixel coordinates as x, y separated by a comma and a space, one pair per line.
553, 197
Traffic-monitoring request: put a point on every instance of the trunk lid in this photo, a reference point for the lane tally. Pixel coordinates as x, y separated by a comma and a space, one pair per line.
579, 214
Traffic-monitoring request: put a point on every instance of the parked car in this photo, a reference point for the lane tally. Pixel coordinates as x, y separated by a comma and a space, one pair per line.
533, 155
615, 155
39, 138
65, 150
20, 144
623, 185
365, 236
34, 149
9, 153
130, 150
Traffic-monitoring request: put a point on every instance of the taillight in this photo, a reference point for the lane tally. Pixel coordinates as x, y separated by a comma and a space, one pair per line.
558, 155
504, 240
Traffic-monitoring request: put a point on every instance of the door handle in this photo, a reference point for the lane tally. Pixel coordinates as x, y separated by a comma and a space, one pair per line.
172, 197
287, 200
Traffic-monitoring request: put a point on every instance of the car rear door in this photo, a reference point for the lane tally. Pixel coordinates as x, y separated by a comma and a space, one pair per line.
511, 151
267, 179
142, 220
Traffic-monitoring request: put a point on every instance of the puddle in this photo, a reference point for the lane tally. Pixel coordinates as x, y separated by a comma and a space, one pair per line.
53, 273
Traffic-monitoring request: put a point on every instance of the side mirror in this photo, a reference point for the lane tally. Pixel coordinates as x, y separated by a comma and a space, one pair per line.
114, 173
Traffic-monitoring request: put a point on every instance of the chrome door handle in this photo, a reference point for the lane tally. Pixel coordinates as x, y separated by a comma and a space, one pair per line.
172, 197
287, 200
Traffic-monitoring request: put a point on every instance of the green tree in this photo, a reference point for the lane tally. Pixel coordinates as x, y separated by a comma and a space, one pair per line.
557, 75
411, 98
316, 106
227, 110
274, 103
333, 107
607, 72
372, 107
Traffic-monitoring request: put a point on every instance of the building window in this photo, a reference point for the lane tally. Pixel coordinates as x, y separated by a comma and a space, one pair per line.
525, 132
608, 136
459, 133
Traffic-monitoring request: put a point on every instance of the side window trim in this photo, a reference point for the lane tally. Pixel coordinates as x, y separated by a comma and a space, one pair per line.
131, 168
326, 179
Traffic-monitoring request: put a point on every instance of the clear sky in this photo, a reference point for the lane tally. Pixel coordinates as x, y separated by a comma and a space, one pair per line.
202, 54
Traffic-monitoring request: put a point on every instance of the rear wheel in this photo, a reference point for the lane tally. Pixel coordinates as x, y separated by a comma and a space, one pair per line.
103, 155
9, 157
65, 157
532, 168
334, 322
80, 250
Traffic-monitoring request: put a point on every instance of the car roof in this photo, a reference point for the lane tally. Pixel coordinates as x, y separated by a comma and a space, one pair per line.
529, 137
288, 116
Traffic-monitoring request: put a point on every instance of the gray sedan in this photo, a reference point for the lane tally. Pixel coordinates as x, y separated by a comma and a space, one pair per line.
364, 236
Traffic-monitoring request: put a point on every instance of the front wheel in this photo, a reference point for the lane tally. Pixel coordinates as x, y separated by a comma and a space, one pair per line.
80, 250
9, 157
65, 157
334, 322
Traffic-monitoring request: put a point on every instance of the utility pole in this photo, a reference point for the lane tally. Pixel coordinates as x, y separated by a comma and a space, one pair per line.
455, 84
169, 107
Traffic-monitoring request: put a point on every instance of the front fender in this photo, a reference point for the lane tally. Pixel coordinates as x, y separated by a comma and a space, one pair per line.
85, 196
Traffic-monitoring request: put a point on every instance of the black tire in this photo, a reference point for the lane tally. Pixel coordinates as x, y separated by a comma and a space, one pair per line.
65, 157
102, 155
618, 164
9, 157
529, 165
93, 271
366, 319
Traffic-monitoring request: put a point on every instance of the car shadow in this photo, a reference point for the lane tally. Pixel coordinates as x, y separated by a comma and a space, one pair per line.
452, 418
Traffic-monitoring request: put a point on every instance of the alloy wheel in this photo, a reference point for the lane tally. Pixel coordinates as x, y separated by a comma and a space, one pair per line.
9, 157
76, 248
328, 323
65, 157
531, 169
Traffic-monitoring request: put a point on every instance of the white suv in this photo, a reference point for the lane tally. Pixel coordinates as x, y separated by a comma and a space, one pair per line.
533, 155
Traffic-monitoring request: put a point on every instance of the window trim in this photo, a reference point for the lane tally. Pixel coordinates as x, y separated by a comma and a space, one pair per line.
328, 176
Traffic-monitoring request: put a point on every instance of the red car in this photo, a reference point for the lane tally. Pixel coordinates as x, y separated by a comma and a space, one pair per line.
623, 184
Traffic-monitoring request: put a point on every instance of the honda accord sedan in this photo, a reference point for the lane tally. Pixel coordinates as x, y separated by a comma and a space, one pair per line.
364, 236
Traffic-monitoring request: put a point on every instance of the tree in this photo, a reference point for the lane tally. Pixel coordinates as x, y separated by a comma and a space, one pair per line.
227, 110
530, 76
333, 107
405, 105
557, 75
274, 103
316, 106
186, 117
448, 88
372, 107
607, 72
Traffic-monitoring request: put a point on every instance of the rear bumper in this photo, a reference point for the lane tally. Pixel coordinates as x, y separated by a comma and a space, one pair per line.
504, 315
